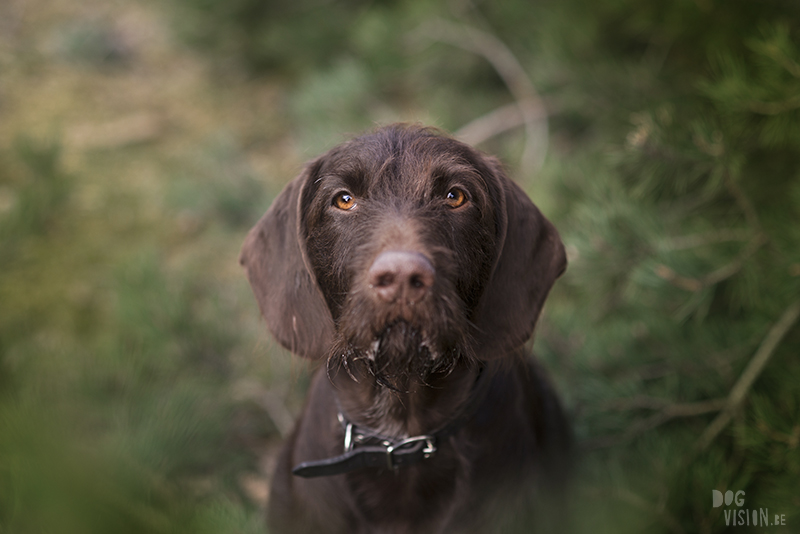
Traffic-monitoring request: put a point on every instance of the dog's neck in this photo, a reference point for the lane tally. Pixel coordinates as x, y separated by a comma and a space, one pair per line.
412, 405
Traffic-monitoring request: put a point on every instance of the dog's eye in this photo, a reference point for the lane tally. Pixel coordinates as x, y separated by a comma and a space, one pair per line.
455, 198
344, 201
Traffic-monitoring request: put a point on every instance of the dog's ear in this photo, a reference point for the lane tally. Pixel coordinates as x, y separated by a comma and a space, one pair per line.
273, 257
531, 258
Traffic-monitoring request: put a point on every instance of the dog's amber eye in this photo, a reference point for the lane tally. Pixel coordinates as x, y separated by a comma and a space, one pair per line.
344, 201
455, 197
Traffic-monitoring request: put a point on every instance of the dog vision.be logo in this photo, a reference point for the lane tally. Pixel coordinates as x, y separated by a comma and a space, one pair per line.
743, 517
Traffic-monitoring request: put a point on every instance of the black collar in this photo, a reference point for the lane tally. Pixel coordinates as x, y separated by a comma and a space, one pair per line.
363, 447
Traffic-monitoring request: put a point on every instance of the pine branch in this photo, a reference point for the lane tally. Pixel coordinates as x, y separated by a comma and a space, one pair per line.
775, 108
496, 122
638, 402
647, 402
775, 49
701, 240
529, 104
667, 413
726, 271
716, 276
749, 375
742, 200
792, 440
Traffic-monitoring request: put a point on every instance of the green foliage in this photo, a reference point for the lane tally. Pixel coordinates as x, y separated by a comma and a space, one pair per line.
672, 175
674, 181
685, 251
290, 37
114, 381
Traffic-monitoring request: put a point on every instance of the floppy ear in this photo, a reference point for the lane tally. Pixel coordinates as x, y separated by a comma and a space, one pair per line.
273, 257
531, 258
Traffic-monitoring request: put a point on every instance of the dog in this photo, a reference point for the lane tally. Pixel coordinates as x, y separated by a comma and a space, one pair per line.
414, 269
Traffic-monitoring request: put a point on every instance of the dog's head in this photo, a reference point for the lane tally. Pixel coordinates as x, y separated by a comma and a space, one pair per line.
402, 245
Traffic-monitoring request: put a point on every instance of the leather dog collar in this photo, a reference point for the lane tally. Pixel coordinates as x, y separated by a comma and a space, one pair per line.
363, 447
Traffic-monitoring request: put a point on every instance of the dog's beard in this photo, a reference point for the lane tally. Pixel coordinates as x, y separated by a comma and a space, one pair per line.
400, 352
403, 350
394, 350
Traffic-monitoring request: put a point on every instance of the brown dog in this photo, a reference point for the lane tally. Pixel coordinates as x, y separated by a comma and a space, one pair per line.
416, 269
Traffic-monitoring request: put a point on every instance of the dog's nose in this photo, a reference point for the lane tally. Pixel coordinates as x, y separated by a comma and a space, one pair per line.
401, 275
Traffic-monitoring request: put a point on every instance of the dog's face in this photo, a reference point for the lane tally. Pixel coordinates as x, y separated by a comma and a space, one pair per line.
401, 234
402, 248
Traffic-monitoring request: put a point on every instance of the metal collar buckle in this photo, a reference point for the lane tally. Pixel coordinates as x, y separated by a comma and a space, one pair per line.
427, 451
348, 437
351, 438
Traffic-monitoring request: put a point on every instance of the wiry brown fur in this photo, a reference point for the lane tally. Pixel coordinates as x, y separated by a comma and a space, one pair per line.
403, 367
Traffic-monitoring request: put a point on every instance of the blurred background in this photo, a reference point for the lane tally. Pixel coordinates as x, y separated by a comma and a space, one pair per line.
139, 140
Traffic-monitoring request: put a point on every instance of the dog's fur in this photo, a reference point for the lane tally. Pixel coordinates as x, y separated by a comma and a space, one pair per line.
399, 365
